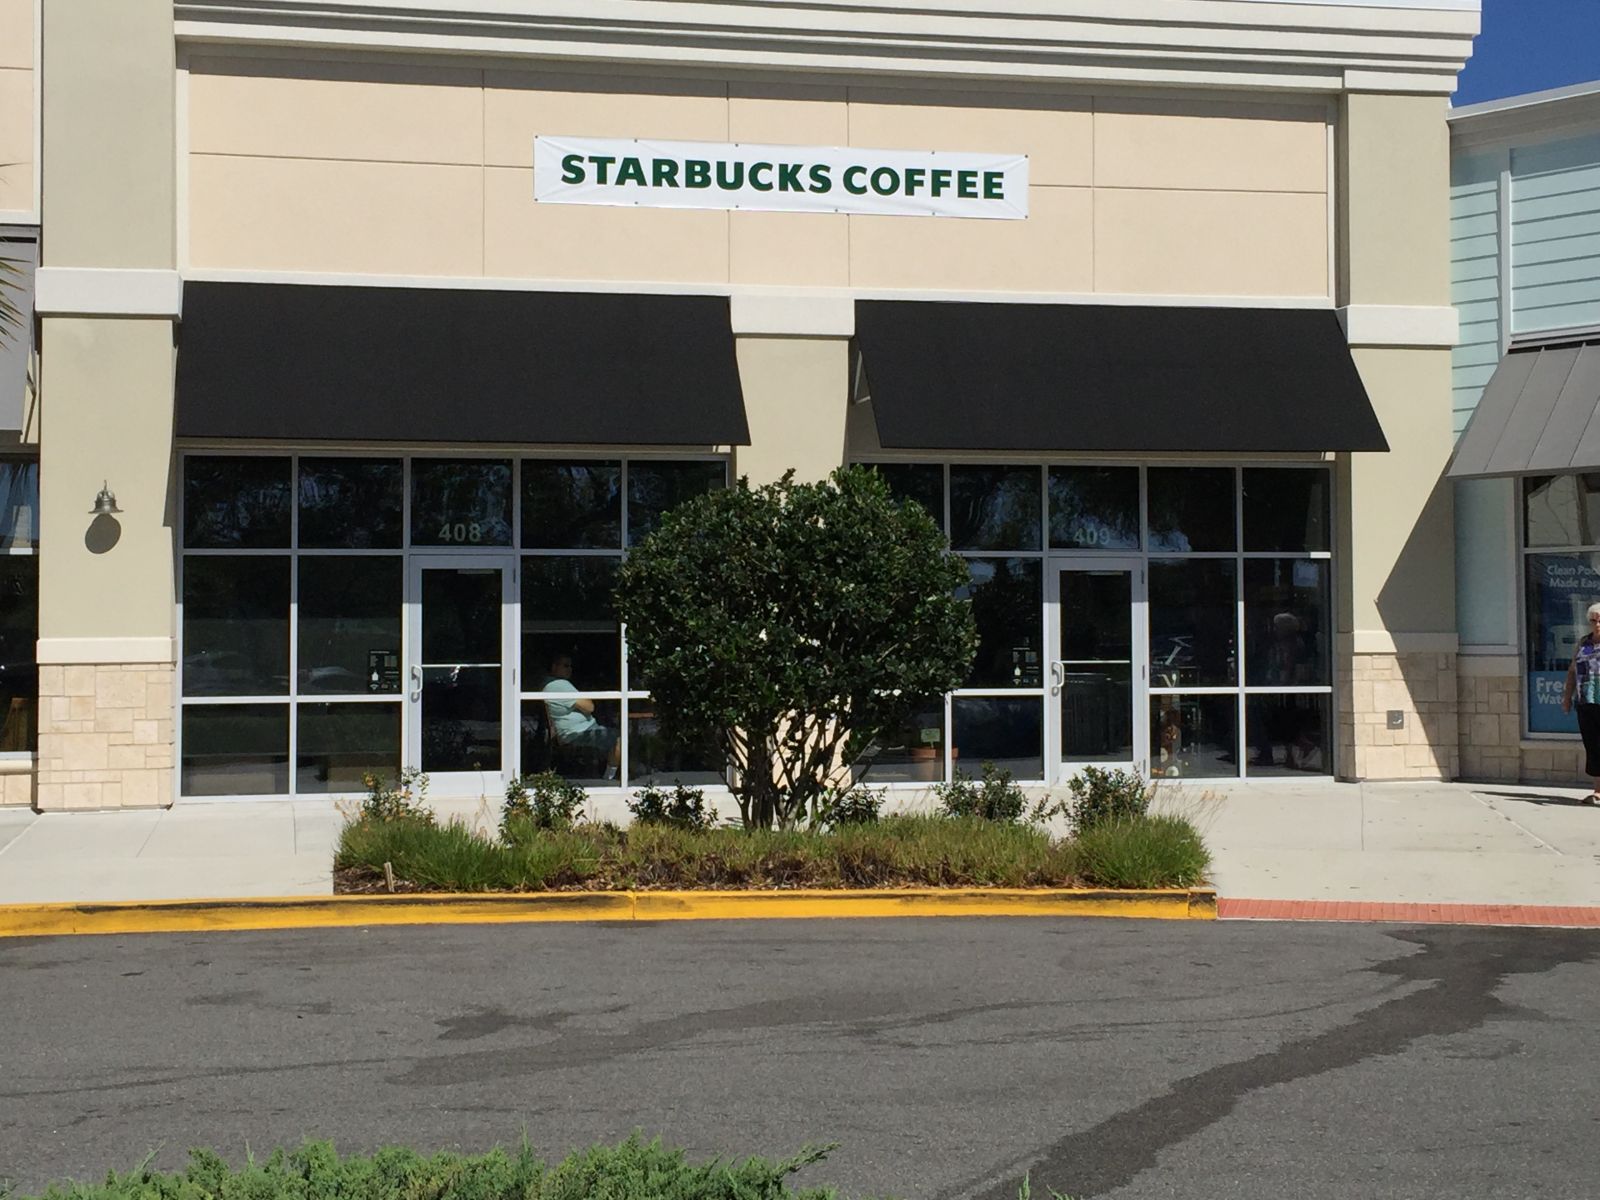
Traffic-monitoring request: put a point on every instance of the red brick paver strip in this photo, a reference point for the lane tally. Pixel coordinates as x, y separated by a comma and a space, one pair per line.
1563, 916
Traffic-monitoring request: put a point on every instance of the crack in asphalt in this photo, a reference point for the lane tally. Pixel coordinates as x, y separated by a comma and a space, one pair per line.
1460, 973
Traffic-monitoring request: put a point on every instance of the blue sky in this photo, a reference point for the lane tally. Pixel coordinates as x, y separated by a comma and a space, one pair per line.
1531, 45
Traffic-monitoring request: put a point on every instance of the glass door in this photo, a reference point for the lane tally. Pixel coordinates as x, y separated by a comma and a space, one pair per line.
460, 682
1097, 669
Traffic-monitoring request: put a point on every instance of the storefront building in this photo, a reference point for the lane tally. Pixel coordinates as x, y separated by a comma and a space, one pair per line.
389, 335
1525, 258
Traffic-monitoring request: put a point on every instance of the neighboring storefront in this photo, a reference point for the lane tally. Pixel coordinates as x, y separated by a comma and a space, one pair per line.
389, 342
1525, 216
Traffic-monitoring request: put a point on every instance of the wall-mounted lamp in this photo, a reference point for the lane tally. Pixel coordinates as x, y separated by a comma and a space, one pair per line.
105, 504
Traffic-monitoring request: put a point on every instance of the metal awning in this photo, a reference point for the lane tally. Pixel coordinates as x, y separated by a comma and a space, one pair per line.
1539, 415
307, 362
1063, 377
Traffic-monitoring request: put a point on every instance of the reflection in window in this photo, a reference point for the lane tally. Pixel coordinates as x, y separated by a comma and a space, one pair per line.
462, 608
1194, 623
1094, 508
1191, 509
349, 624
235, 750
575, 737
236, 625
351, 503
1289, 734
19, 503
336, 744
571, 505
1194, 737
460, 502
1286, 622
1286, 509
1560, 588
920, 483
569, 623
460, 724
236, 502
656, 758
19, 635
994, 508
1008, 605
1003, 730
656, 488
912, 752
1561, 510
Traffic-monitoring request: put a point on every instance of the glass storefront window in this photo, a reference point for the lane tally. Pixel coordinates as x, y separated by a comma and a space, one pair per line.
19, 504
460, 502
351, 503
994, 508
236, 625
1286, 624
236, 503
1561, 510
1094, 508
1193, 623
1560, 588
349, 624
920, 483
571, 505
1289, 734
19, 637
655, 488
574, 736
1008, 605
336, 744
568, 614
1007, 731
1194, 737
913, 752
235, 750
654, 758
1191, 510
1286, 510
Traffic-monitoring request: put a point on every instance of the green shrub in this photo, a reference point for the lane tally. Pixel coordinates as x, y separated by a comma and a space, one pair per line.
854, 805
633, 1170
682, 807
402, 800
994, 798
542, 801
455, 858
1100, 796
1141, 852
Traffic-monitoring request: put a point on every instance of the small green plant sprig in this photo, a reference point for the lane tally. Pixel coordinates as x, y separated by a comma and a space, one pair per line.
542, 801
1099, 797
853, 805
403, 800
681, 808
995, 798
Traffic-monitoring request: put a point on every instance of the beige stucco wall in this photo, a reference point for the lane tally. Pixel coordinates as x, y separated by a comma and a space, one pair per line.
17, 113
423, 170
795, 399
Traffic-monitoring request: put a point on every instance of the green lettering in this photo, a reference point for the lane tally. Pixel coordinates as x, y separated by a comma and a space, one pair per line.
789, 177
915, 178
696, 173
602, 166
852, 181
885, 181
763, 184
664, 172
631, 170
730, 176
941, 180
821, 180
967, 185
994, 185
572, 168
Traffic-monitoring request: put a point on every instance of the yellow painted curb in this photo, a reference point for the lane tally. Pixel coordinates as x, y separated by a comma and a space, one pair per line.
328, 912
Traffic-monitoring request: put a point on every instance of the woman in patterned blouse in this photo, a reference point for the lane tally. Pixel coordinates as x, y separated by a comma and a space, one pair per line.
1583, 686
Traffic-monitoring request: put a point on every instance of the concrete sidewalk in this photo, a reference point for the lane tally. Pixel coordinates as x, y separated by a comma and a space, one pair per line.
1398, 843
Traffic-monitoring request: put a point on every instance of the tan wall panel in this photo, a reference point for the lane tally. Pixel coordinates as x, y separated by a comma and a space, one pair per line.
16, 34
1056, 134
804, 249
795, 398
581, 241
16, 116
16, 187
1051, 251
319, 215
1210, 243
271, 108
796, 116
125, 591
1394, 156
517, 106
1210, 147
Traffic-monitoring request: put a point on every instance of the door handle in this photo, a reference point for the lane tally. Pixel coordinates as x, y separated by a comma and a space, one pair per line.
1058, 677
416, 683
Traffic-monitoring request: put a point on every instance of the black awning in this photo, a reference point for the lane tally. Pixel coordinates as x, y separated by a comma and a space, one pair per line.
315, 363
1539, 414
974, 376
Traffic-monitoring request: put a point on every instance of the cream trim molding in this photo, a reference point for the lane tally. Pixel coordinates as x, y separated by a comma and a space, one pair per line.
105, 650
785, 314
1381, 641
107, 292
1272, 45
1400, 325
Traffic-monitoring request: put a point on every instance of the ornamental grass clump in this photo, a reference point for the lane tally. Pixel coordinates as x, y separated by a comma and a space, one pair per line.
1141, 852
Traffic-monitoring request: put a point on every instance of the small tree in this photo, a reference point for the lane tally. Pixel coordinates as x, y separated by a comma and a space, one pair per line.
790, 623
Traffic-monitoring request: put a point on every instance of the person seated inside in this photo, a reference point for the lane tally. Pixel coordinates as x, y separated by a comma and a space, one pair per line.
573, 723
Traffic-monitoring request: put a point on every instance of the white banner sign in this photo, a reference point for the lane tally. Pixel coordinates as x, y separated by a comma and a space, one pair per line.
837, 179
